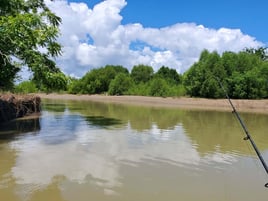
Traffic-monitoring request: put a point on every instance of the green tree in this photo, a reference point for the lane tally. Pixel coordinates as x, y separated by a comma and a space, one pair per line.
55, 82
170, 75
244, 75
26, 87
201, 79
120, 84
260, 52
250, 85
246, 61
98, 80
229, 61
159, 87
26, 26
142, 73
141, 89
75, 86
192, 80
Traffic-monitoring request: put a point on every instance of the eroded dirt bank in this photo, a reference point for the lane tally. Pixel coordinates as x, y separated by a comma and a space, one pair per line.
15, 106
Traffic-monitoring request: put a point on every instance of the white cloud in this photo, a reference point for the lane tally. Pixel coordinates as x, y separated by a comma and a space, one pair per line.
94, 37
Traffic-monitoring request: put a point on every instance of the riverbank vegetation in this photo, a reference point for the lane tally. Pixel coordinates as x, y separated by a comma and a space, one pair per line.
27, 27
243, 74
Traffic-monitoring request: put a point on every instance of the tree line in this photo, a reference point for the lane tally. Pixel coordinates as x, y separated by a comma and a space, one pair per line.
117, 80
28, 37
243, 74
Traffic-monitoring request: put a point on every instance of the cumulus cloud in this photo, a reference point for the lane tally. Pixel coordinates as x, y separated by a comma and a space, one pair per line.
95, 37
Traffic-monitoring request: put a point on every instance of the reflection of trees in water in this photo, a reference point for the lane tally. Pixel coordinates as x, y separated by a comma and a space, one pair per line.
163, 118
54, 107
209, 130
220, 130
139, 118
101, 121
257, 126
20, 126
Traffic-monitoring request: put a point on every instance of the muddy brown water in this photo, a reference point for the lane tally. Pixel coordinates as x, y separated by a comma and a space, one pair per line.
76, 151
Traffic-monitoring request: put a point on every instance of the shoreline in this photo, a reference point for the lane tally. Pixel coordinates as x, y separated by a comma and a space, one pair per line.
241, 105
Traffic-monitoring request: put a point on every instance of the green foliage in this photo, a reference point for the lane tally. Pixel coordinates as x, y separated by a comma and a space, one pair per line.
260, 52
229, 62
141, 89
7, 73
98, 80
177, 91
170, 75
251, 85
26, 87
159, 87
199, 80
74, 86
142, 73
244, 75
120, 84
116, 80
27, 26
54, 82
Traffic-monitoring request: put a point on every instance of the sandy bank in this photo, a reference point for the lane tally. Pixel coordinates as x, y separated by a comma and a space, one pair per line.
254, 106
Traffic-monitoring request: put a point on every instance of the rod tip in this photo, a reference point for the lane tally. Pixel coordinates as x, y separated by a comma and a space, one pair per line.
266, 185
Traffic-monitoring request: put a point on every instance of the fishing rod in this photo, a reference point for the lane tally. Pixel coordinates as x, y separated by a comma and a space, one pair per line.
248, 136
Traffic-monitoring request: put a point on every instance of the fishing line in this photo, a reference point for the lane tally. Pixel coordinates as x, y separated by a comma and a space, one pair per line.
248, 136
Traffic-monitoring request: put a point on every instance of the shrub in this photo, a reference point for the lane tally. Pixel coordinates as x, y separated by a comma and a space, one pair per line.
120, 85
26, 87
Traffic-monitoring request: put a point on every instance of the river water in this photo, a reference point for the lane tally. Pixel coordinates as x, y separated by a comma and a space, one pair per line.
79, 151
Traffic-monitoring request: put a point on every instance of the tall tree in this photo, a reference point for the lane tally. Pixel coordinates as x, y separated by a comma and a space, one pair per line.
98, 80
142, 73
120, 84
28, 33
201, 79
169, 75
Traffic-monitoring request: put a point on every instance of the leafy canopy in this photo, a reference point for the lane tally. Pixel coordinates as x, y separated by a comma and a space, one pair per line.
28, 33
142, 73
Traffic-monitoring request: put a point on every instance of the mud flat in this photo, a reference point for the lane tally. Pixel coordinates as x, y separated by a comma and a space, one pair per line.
254, 106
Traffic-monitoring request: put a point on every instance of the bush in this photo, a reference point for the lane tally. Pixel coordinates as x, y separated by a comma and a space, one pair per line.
141, 89
177, 91
26, 87
98, 80
74, 86
159, 87
120, 85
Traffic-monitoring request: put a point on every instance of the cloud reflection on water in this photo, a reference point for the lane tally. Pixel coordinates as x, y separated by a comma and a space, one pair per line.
68, 146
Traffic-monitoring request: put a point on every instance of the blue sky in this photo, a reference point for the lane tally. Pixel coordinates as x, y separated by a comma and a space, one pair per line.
249, 16
171, 33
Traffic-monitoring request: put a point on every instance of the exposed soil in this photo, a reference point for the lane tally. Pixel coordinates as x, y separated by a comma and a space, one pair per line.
15, 106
